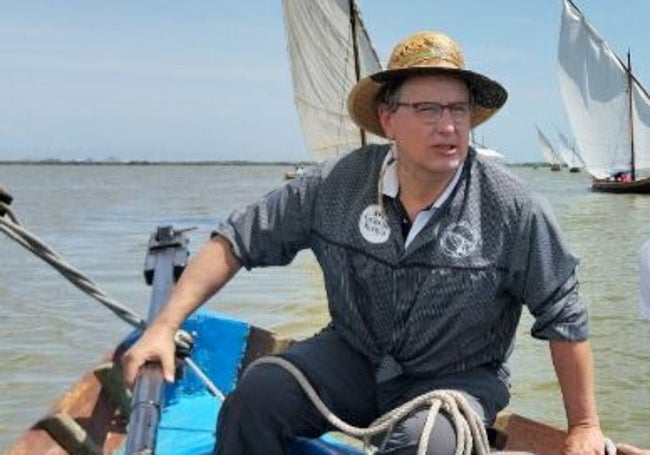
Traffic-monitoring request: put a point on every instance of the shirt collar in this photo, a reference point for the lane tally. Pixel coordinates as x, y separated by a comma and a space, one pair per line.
390, 181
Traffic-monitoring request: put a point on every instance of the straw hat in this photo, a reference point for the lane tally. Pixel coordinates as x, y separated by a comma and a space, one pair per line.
424, 53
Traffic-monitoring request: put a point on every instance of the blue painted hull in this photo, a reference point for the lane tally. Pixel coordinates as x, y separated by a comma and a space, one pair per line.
188, 420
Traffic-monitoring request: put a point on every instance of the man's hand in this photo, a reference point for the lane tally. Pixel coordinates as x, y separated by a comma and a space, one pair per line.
584, 440
155, 345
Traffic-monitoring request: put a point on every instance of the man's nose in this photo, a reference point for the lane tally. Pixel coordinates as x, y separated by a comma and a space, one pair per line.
446, 121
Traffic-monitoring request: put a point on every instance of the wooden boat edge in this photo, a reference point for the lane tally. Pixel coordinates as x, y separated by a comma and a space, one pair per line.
84, 420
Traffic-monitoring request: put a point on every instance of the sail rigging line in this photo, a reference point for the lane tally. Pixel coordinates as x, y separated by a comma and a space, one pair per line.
634, 80
355, 52
631, 113
364, 31
10, 225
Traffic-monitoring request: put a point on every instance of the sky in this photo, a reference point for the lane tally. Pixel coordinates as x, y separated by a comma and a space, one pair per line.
210, 80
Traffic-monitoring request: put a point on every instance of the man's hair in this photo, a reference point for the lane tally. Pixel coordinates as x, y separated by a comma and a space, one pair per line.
389, 94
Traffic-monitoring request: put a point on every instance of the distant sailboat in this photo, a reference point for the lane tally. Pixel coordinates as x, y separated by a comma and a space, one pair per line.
488, 152
608, 108
569, 154
548, 152
485, 151
329, 51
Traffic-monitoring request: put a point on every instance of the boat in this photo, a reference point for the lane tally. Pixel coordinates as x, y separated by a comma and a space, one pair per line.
548, 151
569, 154
99, 416
329, 50
484, 150
488, 152
297, 171
91, 417
607, 106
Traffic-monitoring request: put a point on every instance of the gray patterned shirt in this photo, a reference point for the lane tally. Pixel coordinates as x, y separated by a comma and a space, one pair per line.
448, 303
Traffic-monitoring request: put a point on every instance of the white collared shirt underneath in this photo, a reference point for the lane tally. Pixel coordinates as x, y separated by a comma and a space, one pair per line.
390, 188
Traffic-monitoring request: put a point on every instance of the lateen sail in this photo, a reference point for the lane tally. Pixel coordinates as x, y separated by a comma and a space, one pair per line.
321, 52
547, 149
641, 121
568, 153
594, 86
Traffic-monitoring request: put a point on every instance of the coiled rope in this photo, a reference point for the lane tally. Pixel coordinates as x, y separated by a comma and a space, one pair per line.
470, 432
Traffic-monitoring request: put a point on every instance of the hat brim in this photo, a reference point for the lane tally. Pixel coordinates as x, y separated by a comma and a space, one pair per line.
487, 95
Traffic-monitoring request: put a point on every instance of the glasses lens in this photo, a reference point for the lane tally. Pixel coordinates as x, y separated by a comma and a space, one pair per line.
432, 112
459, 111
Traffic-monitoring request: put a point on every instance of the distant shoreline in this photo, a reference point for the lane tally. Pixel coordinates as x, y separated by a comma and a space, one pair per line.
56, 162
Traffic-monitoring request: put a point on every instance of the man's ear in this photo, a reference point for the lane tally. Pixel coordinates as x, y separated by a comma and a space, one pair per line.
386, 120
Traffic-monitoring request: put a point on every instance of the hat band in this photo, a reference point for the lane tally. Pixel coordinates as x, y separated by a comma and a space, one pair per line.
431, 58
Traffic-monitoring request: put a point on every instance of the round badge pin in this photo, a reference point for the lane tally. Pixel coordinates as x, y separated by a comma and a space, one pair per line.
373, 225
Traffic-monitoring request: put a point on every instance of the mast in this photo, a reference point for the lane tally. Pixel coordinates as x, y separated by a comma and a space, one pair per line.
355, 49
631, 100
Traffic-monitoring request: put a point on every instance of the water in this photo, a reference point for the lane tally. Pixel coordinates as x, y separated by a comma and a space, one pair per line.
99, 218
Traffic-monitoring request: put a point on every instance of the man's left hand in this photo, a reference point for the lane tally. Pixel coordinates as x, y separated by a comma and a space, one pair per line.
584, 440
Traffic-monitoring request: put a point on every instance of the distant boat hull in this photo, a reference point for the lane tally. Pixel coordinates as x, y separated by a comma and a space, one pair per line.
641, 186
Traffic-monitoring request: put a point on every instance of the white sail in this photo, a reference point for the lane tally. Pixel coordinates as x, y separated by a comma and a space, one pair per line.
594, 86
321, 53
568, 153
641, 126
545, 146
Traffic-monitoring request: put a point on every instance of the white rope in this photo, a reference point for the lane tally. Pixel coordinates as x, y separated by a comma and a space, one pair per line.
610, 447
10, 225
467, 423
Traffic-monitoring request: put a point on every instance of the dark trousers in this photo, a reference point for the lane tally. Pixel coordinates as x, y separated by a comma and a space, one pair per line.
269, 409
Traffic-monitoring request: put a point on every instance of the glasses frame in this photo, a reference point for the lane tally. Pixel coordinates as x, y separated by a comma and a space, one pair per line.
435, 115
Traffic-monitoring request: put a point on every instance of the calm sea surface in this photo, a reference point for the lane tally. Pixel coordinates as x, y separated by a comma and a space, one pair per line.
99, 218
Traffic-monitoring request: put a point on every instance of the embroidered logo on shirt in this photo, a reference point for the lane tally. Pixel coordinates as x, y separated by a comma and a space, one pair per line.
459, 240
373, 225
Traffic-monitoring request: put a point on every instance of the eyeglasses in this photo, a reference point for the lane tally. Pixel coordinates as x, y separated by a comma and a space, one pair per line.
432, 112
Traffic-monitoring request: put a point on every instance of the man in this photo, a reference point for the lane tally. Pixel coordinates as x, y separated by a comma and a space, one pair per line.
428, 254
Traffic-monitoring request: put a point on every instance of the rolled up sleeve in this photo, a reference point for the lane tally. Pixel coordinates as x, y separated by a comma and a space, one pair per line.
545, 278
563, 316
272, 230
